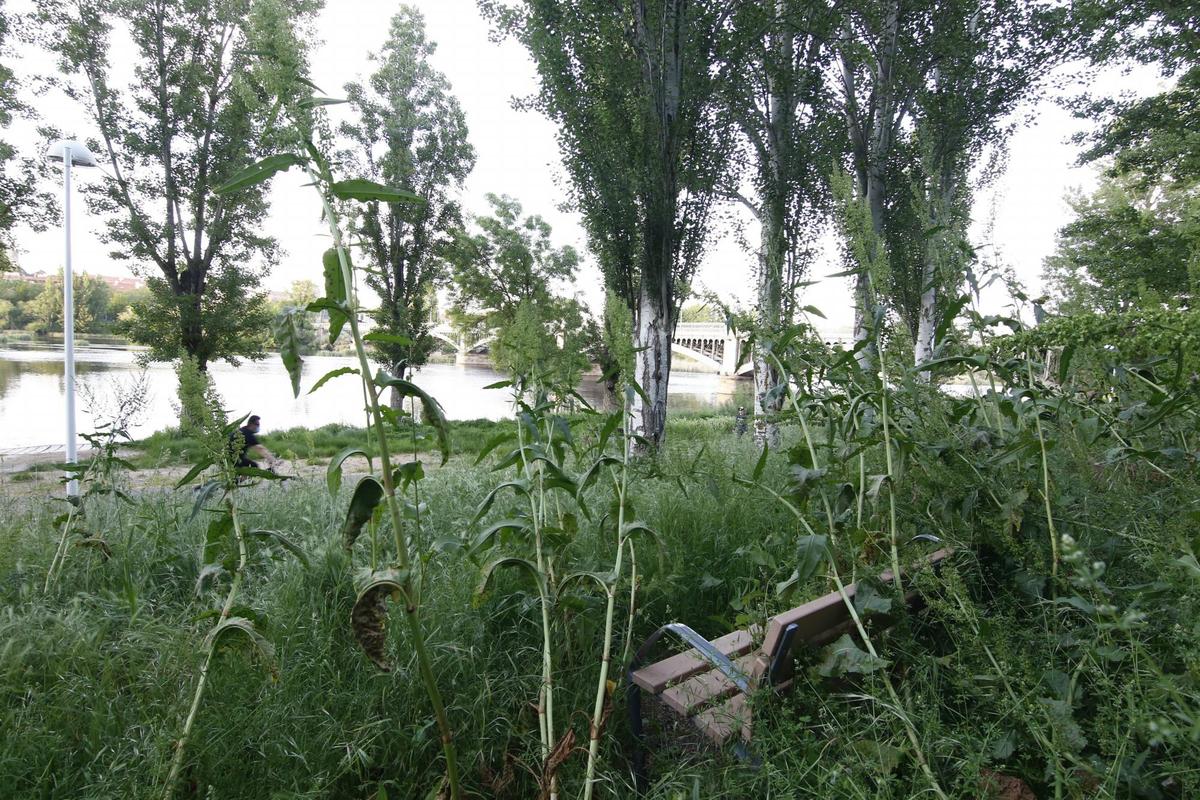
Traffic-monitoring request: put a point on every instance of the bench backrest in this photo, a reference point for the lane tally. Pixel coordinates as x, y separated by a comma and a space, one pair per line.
820, 621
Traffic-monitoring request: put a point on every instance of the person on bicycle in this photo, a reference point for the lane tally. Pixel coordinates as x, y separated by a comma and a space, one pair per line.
250, 445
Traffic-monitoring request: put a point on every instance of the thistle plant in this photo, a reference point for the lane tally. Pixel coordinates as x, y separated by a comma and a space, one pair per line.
227, 546
533, 539
618, 473
544, 527
543, 440
102, 473
401, 580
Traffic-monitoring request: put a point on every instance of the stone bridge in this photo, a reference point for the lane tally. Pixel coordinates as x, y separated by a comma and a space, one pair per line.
459, 342
711, 344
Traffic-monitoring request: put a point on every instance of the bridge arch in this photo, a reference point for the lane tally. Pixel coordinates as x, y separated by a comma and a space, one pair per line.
435, 333
695, 355
491, 337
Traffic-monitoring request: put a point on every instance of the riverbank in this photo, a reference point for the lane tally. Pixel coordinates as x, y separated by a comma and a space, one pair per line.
161, 459
32, 393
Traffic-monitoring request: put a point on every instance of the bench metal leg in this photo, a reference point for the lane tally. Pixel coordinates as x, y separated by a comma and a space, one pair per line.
709, 653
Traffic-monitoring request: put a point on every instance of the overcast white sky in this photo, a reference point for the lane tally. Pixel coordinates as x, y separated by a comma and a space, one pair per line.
518, 155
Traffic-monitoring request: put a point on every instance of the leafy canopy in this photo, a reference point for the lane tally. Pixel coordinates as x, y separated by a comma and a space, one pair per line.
410, 131
196, 111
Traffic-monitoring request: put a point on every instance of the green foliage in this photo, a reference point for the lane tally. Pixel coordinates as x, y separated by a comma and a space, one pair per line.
1137, 239
1156, 140
92, 303
308, 340
334, 303
8, 104
1127, 246
22, 202
196, 78
232, 317
200, 413
506, 279
863, 245
772, 83
1150, 31
410, 132
1092, 344
509, 262
37, 306
173, 446
548, 350
16, 298
106, 681
615, 354
287, 336
368, 493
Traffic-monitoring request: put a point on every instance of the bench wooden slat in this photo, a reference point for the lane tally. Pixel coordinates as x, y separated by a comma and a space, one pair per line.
690, 686
820, 617
661, 674
722, 721
701, 690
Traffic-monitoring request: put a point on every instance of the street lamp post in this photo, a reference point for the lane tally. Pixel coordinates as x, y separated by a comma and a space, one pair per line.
70, 153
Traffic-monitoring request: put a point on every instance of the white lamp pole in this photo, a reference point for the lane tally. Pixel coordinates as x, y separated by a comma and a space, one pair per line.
69, 153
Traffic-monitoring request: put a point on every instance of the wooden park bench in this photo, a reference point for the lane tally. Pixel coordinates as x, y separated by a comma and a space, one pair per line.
709, 684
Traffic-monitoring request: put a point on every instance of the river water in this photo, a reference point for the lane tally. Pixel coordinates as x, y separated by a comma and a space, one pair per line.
32, 404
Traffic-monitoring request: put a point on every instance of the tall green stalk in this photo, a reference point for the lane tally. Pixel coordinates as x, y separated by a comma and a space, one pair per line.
898, 704
60, 551
621, 485
1037, 419
891, 471
545, 706
209, 648
408, 588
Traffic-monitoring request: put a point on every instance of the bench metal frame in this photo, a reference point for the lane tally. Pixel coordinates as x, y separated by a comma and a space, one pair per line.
825, 616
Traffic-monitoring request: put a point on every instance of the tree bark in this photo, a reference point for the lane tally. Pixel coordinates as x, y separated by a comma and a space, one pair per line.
939, 216
662, 74
652, 368
773, 244
927, 318
396, 399
871, 150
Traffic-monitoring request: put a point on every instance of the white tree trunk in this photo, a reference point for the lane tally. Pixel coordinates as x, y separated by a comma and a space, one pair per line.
939, 214
766, 376
927, 321
652, 369
773, 245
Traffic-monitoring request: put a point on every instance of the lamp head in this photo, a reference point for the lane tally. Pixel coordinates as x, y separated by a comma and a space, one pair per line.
80, 155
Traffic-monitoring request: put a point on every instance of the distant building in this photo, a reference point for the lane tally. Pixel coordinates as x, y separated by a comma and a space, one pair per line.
117, 284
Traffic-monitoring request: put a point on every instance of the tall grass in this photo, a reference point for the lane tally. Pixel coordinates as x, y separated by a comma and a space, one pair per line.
1094, 693
91, 676
467, 437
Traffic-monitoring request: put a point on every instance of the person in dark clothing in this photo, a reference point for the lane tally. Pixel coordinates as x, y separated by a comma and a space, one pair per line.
250, 444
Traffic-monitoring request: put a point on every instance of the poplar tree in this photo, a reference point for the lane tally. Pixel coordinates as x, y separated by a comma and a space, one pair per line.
773, 62
410, 132
632, 88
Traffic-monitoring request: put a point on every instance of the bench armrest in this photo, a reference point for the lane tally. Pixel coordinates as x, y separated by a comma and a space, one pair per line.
706, 651
712, 655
